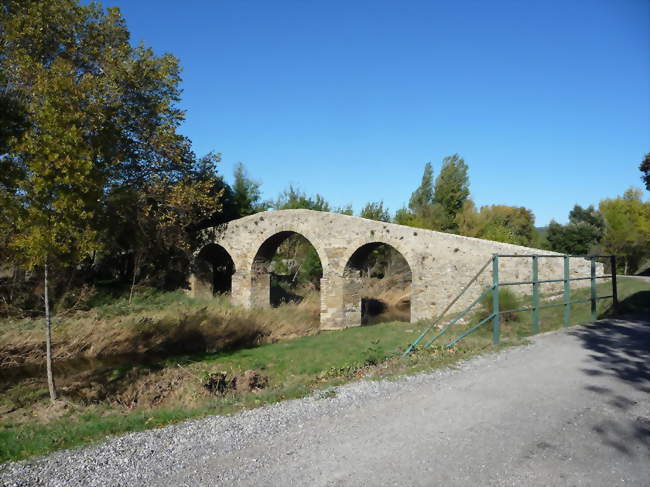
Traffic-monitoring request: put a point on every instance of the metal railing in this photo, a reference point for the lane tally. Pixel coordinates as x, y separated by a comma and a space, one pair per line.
536, 306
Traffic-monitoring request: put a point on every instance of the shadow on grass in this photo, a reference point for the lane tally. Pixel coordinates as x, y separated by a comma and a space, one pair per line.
620, 349
636, 304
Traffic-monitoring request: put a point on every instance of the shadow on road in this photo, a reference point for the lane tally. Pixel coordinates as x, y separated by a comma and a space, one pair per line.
620, 349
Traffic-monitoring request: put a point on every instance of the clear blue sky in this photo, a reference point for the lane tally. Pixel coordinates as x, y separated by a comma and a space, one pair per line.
547, 101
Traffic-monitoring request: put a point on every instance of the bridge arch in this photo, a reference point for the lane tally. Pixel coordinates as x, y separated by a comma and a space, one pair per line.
366, 294
261, 267
213, 270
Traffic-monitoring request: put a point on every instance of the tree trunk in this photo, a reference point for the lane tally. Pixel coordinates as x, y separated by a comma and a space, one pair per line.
625, 270
48, 339
136, 265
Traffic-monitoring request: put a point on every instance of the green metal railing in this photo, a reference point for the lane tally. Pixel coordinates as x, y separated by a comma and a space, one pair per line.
536, 306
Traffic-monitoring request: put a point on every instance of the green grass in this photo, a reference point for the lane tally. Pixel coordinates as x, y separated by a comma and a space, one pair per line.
634, 297
295, 368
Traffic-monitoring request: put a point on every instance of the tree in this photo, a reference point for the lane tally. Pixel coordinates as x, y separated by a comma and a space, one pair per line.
58, 195
345, 210
246, 192
436, 208
644, 167
375, 211
293, 198
501, 223
422, 198
404, 216
627, 228
451, 191
100, 121
420, 211
580, 236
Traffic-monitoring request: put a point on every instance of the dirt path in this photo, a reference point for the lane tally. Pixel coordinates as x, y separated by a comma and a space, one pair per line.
573, 409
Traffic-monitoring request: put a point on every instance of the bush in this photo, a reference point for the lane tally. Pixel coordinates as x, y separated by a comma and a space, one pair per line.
507, 300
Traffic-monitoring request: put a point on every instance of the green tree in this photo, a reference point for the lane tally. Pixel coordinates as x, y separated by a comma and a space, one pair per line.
580, 235
501, 223
436, 208
59, 193
246, 192
421, 211
345, 210
375, 211
627, 228
100, 126
293, 199
404, 216
644, 167
450, 192
422, 198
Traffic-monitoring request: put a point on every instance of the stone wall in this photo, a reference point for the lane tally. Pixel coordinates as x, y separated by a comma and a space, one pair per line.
441, 263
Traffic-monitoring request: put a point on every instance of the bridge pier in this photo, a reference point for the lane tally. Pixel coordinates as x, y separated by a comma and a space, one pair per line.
241, 289
340, 302
260, 290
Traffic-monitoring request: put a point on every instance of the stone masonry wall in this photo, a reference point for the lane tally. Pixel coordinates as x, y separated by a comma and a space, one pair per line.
441, 263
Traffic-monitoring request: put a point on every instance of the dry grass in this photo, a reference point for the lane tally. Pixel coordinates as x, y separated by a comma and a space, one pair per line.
165, 324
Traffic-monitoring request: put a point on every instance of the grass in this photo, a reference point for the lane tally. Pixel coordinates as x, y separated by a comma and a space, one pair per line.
295, 368
634, 298
155, 323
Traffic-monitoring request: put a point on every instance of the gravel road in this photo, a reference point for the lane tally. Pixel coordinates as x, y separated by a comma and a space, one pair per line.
571, 409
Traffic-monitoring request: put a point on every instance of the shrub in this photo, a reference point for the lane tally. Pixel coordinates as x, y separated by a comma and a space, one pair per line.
507, 300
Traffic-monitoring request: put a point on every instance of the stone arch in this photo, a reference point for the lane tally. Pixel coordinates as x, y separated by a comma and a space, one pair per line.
260, 275
375, 260
213, 271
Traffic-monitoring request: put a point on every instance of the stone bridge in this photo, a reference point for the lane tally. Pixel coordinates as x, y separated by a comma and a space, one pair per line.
441, 263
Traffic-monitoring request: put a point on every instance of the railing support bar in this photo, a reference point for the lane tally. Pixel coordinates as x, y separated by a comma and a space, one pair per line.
614, 287
496, 328
594, 314
567, 293
535, 295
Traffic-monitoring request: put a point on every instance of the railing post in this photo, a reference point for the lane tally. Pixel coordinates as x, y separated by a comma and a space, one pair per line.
594, 314
496, 332
614, 288
535, 295
567, 292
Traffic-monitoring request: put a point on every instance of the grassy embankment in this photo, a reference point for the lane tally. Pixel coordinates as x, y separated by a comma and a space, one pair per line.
128, 397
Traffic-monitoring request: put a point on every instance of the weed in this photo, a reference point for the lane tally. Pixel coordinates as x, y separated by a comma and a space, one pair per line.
507, 300
326, 393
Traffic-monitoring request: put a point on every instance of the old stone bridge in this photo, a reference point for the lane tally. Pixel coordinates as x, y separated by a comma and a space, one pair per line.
440, 263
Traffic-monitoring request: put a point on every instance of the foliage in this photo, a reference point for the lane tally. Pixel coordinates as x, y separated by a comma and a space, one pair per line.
644, 167
422, 198
246, 193
423, 211
297, 259
404, 216
375, 211
580, 236
345, 210
507, 300
627, 228
293, 198
501, 223
435, 208
451, 191
93, 169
